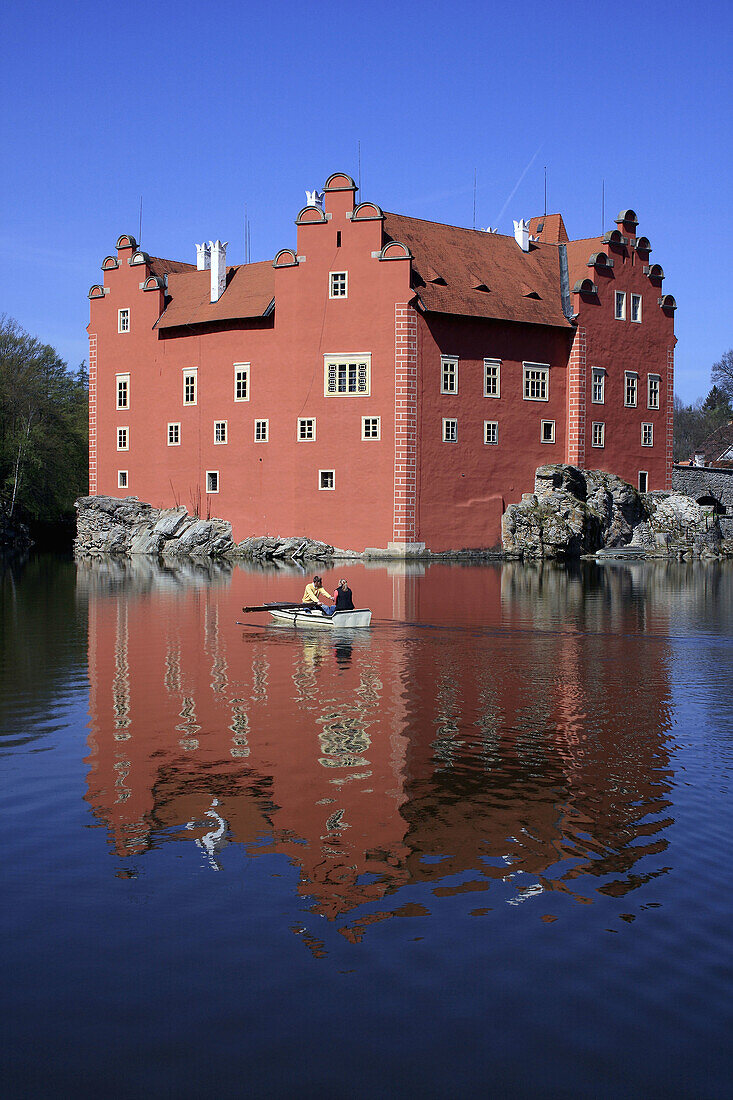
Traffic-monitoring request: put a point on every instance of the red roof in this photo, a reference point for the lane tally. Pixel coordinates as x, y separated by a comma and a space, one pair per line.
549, 228
249, 291
579, 252
159, 266
467, 258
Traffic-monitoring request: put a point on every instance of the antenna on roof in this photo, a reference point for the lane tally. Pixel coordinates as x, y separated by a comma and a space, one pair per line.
545, 190
358, 144
140, 224
247, 249
474, 198
603, 206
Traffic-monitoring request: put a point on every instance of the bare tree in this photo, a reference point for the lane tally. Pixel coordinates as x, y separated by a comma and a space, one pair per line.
722, 373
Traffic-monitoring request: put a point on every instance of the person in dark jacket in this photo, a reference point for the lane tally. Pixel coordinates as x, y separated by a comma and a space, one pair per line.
343, 597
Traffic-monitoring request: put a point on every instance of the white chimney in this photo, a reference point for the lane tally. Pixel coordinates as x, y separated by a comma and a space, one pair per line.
203, 257
699, 459
521, 234
218, 268
315, 198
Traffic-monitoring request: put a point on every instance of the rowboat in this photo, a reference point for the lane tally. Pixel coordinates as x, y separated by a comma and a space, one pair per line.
315, 618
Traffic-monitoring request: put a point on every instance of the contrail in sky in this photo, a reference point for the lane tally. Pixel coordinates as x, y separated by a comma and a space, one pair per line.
516, 185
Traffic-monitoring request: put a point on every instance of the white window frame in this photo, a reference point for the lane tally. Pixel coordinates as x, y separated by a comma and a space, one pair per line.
449, 366
598, 377
241, 368
528, 381
177, 441
301, 434
619, 299
123, 319
340, 289
218, 426
122, 379
656, 381
322, 476
490, 364
331, 371
647, 434
263, 438
598, 433
450, 435
372, 420
636, 301
631, 377
643, 474
123, 479
551, 424
125, 445
494, 424
212, 486
190, 374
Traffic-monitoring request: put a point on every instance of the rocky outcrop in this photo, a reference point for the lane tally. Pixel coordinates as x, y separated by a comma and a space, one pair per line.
106, 525
267, 548
574, 512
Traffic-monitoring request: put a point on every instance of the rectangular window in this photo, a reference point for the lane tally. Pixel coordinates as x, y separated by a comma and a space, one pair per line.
598, 386
122, 479
370, 427
326, 479
536, 382
337, 284
491, 431
598, 438
123, 391
306, 429
122, 439
212, 481
653, 381
492, 377
347, 375
620, 306
630, 388
448, 374
123, 320
220, 431
450, 431
547, 431
189, 387
261, 430
636, 308
241, 381
174, 435
643, 481
647, 435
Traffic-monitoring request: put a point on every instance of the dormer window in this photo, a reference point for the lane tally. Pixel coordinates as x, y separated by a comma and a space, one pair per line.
338, 284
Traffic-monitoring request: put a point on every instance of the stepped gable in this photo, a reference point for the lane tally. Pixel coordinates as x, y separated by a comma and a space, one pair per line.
463, 258
249, 292
579, 252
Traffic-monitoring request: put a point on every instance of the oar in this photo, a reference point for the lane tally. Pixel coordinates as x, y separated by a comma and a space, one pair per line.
280, 607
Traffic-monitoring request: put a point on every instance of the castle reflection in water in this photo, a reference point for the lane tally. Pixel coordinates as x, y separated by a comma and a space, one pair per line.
498, 727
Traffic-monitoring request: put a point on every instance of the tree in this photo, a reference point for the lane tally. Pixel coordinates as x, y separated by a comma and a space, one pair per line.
43, 428
722, 373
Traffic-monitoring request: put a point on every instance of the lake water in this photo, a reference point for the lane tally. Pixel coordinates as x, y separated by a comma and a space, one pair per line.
481, 849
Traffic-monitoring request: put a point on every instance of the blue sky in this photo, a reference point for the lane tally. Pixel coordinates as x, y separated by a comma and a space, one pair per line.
202, 109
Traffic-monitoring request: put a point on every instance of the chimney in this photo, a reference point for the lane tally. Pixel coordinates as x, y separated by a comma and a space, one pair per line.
699, 459
521, 234
315, 198
203, 257
218, 268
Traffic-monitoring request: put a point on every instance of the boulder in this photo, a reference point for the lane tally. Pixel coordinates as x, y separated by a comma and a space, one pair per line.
126, 527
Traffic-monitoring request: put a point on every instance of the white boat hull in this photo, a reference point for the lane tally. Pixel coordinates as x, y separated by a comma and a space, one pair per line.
316, 618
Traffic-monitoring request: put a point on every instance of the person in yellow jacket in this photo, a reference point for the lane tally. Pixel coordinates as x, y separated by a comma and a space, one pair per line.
315, 593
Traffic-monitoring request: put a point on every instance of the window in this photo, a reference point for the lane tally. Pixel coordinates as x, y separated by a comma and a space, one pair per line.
647, 435
241, 381
123, 391
220, 431
492, 377
536, 382
643, 481
653, 381
306, 429
448, 374
632, 379
212, 481
346, 375
337, 284
598, 386
174, 435
326, 479
636, 308
370, 427
123, 320
547, 431
620, 305
122, 479
450, 431
491, 431
189, 386
598, 438
122, 439
261, 430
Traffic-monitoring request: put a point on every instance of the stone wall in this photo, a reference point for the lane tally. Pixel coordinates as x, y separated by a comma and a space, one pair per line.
705, 481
